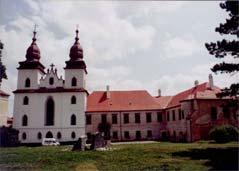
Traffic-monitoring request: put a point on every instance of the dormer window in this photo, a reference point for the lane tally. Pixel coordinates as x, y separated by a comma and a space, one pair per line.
51, 81
27, 82
73, 82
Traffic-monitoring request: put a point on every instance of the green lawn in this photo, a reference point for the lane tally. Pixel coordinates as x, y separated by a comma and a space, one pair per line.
153, 156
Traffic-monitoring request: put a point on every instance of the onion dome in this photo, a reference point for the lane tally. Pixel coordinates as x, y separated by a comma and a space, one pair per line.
76, 52
33, 52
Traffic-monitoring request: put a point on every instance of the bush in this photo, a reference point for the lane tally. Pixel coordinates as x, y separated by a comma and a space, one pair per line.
224, 133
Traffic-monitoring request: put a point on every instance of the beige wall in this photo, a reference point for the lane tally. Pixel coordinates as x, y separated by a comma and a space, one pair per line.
3, 110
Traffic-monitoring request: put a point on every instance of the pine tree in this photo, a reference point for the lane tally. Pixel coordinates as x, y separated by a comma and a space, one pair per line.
2, 67
227, 48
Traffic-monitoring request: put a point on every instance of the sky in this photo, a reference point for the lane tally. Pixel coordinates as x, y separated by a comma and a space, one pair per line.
128, 45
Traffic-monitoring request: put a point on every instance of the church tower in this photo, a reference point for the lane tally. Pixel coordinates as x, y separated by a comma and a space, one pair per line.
30, 70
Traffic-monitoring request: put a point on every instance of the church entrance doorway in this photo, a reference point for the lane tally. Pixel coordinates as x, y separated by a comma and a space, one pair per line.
49, 134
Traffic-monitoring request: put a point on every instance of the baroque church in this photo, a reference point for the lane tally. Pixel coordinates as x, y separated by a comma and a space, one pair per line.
46, 105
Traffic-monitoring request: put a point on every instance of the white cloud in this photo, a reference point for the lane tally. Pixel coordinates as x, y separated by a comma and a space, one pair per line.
179, 47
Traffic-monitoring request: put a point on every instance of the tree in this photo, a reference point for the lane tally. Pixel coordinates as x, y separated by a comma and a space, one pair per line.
225, 48
2, 67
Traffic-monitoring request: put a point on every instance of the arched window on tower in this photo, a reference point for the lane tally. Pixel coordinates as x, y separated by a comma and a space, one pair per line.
73, 82
27, 82
50, 111
24, 120
73, 100
73, 119
25, 100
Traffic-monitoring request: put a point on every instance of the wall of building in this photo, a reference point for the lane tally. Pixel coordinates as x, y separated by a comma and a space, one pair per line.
3, 110
36, 111
130, 127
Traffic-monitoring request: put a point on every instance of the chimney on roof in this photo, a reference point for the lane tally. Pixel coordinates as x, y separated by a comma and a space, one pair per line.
210, 81
107, 91
159, 92
196, 83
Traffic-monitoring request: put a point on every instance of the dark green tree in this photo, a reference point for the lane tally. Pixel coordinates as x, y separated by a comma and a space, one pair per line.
227, 48
2, 67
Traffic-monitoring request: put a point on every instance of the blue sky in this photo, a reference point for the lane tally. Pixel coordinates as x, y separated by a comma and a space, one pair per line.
127, 45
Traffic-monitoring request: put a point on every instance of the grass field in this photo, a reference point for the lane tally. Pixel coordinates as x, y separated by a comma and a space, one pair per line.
153, 156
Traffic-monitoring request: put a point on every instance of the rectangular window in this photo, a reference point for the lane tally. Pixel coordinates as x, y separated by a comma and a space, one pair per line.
173, 113
114, 119
160, 117
214, 113
179, 114
148, 117
149, 133
126, 134
138, 135
137, 117
226, 112
168, 116
115, 135
103, 118
88, 119
182, 114
126, 118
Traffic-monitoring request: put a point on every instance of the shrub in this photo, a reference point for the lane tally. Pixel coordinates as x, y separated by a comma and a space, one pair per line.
224, 133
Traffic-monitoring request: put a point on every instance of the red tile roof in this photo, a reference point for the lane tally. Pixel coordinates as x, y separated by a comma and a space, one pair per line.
163, 101
142, 100
121, 101
2, 93
192, 93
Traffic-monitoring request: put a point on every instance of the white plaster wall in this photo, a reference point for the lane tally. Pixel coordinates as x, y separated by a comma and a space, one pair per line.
35, 111
34, 76
79, 74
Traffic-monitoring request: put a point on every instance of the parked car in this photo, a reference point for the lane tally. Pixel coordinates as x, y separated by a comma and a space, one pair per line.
50, 141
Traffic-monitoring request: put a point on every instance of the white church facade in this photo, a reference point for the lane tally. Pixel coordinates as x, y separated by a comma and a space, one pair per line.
46, 105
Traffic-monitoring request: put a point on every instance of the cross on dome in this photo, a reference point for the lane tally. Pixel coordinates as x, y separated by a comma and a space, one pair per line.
77, 32
34, 32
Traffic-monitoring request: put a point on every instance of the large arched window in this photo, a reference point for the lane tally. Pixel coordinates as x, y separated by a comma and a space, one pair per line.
25, 100
73, 82
49, 134
24, 120
27, 82
50, 109
73, 100
73, 119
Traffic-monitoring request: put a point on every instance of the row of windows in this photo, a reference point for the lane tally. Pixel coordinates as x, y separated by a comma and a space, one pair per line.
126, 118
48, 135
25, 120
173, 116
51, 82
26, 100
127, 135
